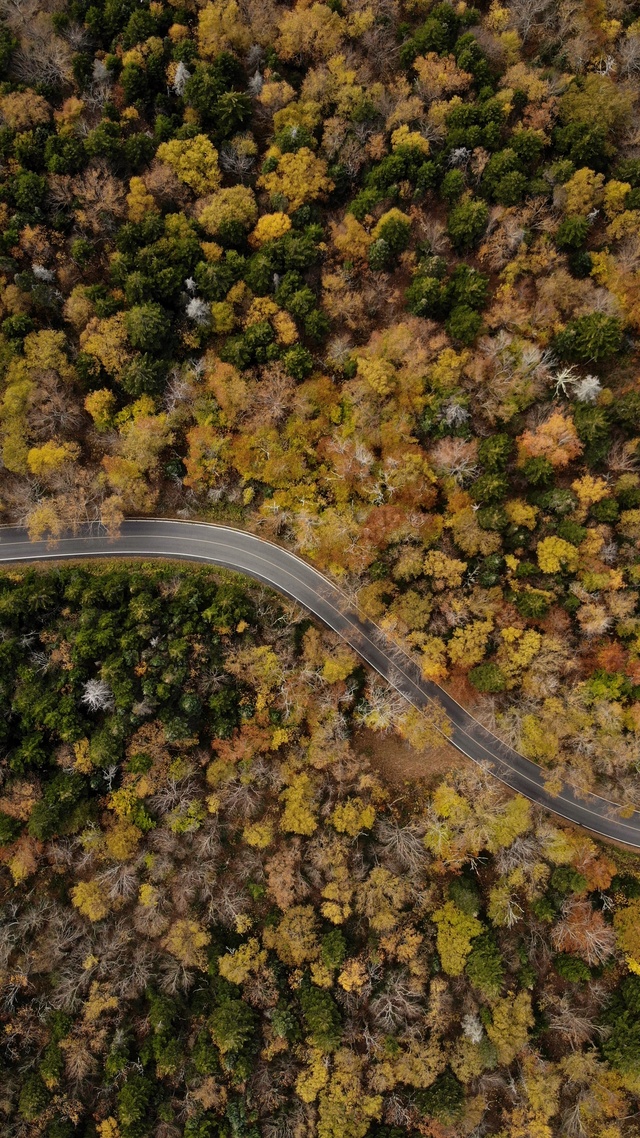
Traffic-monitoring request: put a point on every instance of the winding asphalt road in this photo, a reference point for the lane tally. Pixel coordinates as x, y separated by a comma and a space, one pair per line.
283, 571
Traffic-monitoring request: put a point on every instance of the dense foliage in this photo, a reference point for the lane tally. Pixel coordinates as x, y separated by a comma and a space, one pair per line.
216, 921
364, 276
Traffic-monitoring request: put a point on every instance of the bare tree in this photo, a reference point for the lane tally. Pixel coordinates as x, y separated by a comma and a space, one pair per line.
575, 1024
398, 1004
401, 845
97, 695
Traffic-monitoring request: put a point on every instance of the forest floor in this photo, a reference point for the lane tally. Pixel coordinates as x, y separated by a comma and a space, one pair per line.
398, 762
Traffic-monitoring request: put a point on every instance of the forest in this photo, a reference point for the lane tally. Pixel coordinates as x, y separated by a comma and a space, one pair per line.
361, 277
218, 921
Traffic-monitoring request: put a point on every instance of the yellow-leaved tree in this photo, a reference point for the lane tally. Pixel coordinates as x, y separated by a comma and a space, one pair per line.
89, 898
299, 177
295, 938
140, 203
269, 227
187, 940
298, 816
237, 966
194, 161
456, 930
345, 1110
352, 816
233, 206
221, 27
51, 457
313, 30
555, 555
512, 1019
467, 645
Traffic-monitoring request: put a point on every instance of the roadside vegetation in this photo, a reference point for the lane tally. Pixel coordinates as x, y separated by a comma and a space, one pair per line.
217, 921
363, 278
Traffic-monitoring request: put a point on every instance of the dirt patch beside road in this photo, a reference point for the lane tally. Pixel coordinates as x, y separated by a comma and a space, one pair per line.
398, 762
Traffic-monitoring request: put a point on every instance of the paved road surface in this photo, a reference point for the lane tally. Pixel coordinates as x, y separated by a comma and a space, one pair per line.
275, 566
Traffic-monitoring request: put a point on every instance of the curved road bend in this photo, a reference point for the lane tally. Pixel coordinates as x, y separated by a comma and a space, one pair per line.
283, 571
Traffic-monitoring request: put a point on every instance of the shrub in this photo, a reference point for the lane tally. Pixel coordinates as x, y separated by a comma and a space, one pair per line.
232, 1025
298, 362
9, 829
485, 967
572, 232
590, 338
463, 324
453, 186
147, 327
322, 1018
488, 678
466, 223
443, 1099
532, 603
572, 968
622, 1046
494, 451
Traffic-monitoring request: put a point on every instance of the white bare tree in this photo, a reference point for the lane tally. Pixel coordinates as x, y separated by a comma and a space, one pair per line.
180, 79
97, 695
